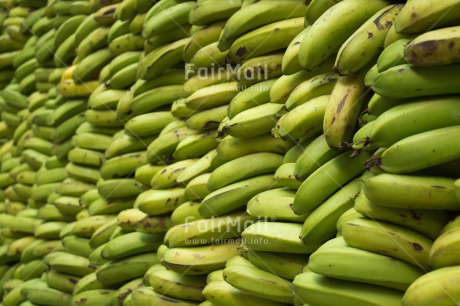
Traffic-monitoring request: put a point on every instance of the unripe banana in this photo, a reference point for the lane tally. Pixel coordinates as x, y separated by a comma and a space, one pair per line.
265, 39
320, 224
235, 195
442, 14
419, 81
304, 121
177, 285
315, 154
200, 260
327, 179
321, 84
388, 239
158, 202
255, 16
259, 283
366, 43
282, 264
275, 237
207, 231
316, 289
255, 121
332, 29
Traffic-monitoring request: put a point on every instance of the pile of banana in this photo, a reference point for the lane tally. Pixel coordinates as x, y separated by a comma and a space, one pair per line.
229, 152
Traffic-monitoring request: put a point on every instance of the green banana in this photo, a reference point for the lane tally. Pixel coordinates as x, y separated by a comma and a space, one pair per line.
77, 245
235, 195
316, 8
431, 287
207, 12
68, 28
282, 264
332, 29
126, 144
444, 42
158, 202
167, 20
413, 192
95, 297
419, 81
280, 237
231, 147
441, 14
166, 178
209, 34
148, 124
315, 289
161, 59
117, 271
86, 157
105, 100
130, 244
177, 285
402, 243
208, 119
320, 224
427, 222
243, 168
259, 282
259, 69
252, 96
163, 147
122, 166
315, 154
212, 96
284, 175
197, 188
208, 56
345, 105
274, 204
124, 78
319, 85
327, 179
156, 98
148, 296
385, 135
364, 45
119, 188
61, 281
95, 40
220, 292
69, 263
83, 173
200, 260
92, 141
186, 213
304, 121
265, 39
91, 65
429, 151
208, 231
393, 55
38, 292
195, 146
255, 16
255, 121
291, 64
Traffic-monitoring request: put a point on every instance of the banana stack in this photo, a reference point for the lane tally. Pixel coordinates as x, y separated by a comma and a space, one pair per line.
398, 210
229, 152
